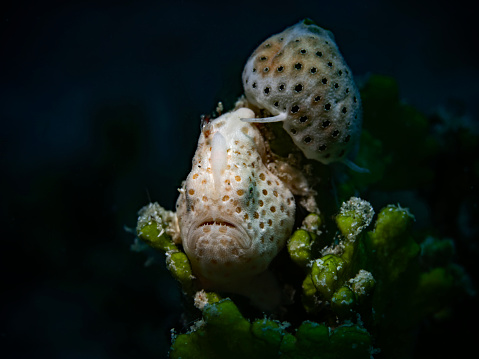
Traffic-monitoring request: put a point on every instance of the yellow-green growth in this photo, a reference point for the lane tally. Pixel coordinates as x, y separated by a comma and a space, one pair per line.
309, 294
268, 331
299, 247
313, 338
391, 243
352, 341
343, 301
326, 274
152, 227
362, 284
354, 216
180, 268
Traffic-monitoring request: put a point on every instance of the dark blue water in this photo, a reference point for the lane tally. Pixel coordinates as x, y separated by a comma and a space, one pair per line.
100, 104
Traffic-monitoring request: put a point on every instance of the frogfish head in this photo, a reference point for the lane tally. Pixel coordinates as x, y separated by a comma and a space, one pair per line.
234, 214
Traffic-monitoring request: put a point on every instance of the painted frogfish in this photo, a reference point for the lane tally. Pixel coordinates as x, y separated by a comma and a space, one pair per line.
301, 79
234, 214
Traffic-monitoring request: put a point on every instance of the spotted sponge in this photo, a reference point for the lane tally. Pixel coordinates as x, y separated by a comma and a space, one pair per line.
300, 77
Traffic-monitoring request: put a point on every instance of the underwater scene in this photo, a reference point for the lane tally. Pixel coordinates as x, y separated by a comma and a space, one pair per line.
254, 180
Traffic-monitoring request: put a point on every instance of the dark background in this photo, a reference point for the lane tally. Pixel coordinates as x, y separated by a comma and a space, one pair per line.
100, 104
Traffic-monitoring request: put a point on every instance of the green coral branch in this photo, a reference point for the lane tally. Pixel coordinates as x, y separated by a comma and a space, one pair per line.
390, 246
384, 275
154, 228
335, 277
299, 247
224, 332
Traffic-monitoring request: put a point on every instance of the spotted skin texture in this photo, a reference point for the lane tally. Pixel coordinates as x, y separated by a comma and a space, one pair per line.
234, 215
300, 77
